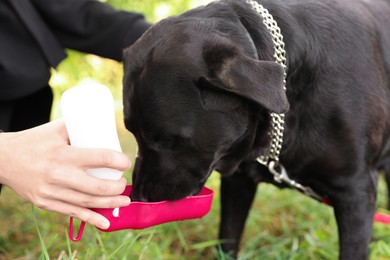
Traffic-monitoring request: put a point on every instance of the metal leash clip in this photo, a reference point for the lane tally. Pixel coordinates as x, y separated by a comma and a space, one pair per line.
280, 176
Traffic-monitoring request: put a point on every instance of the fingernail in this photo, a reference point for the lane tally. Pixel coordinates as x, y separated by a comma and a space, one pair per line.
104, 224
125, 161
125, 201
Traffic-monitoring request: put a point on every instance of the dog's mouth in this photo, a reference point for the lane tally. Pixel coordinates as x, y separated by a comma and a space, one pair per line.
171, 186
140, 194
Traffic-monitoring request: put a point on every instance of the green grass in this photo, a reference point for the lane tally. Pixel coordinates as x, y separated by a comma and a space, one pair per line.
283, 224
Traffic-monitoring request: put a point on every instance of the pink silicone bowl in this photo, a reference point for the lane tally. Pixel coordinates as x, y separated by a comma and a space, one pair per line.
139, 215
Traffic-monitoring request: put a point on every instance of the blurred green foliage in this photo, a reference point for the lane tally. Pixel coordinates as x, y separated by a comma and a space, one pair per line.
79, 66
153, 10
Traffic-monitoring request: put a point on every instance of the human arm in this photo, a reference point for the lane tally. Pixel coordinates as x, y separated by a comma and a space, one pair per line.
91, 26
41, 167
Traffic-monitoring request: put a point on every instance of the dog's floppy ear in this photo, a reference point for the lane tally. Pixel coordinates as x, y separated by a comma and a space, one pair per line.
256, 80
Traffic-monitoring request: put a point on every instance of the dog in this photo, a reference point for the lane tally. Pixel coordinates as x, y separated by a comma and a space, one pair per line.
199, 90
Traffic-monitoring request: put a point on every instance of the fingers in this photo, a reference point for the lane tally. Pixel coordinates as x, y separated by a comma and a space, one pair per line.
84, 183
44, 169
89, 201
99, 158
81, 199
77, 204
84, 214
88, 157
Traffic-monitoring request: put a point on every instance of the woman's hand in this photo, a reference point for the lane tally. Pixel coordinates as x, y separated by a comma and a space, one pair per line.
41, 166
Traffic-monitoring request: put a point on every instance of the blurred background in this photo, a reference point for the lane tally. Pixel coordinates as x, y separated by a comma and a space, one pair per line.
79, 67
283, 224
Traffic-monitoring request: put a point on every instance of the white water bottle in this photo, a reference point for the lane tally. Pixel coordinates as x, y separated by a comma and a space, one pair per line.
88, 111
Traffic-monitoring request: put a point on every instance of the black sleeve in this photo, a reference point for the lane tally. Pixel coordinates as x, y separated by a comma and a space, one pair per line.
0, 183
92, 26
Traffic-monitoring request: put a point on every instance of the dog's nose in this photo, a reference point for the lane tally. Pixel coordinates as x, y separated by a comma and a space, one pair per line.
138, 195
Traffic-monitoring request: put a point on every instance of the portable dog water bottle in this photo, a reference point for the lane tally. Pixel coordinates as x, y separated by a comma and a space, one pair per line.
140, 215
88, 111
89, 115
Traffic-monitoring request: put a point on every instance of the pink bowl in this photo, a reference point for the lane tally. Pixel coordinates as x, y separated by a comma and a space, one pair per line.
139, 215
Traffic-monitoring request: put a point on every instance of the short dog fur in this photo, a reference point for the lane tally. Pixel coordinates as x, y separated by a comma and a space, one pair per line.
199, 87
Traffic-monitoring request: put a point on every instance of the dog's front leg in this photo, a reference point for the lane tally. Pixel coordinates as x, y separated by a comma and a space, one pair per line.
237, 194
354, 211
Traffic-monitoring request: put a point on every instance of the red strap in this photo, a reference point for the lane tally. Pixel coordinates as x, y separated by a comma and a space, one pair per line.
378, 217
79, 234
382, 218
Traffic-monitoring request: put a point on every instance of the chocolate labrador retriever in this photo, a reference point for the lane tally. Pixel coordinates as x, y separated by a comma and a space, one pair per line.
200, 90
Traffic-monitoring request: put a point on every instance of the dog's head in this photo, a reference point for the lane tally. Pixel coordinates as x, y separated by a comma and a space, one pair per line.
194, 94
